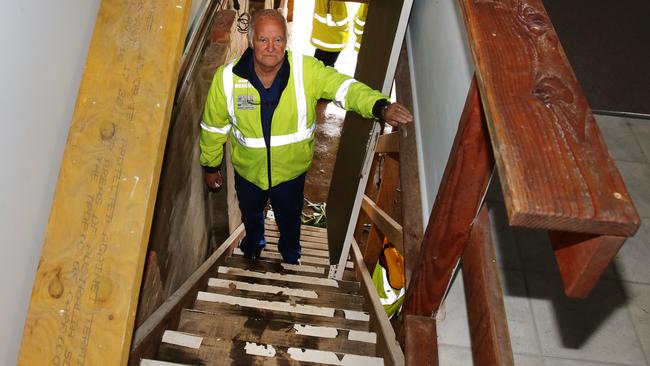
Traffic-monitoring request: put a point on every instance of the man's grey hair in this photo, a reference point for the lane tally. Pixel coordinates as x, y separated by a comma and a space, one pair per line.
266, 13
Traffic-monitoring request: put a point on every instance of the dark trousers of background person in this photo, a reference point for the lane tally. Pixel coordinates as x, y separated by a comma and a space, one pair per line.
286, 200
327, 57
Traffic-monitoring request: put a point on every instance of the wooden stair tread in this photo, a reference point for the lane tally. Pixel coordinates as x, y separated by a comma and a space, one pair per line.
294, 296
273, 239
218, 351
283, 306
278, 332
265, 312
269, 265
305, 251
337, 321
305, 259
289, 280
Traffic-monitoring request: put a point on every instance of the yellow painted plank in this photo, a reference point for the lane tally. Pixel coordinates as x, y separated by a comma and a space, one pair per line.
85, 293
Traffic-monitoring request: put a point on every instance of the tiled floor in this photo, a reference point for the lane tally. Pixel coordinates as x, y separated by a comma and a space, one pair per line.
611, 326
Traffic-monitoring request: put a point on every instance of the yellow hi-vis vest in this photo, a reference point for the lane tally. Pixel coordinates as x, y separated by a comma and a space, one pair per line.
358, 24
232, 108
330, 25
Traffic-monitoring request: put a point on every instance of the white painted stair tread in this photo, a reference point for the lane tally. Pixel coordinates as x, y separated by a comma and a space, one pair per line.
148, 362
278, 276
281, 306
312, 355
329, 332
182, 339
269, 289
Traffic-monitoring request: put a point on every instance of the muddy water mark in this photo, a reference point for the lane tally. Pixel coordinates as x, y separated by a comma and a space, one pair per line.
329, 123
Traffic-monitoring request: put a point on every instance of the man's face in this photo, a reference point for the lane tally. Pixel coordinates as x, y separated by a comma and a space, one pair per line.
269, 43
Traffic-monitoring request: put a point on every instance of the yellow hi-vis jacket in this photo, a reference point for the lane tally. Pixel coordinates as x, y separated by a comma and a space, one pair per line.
330, 25
358, 25
231, 109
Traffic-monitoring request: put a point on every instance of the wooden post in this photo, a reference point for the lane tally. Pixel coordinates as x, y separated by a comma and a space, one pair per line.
486, 311
582, 259
85, 293
420, 340
412, 221
460, 195
384, 30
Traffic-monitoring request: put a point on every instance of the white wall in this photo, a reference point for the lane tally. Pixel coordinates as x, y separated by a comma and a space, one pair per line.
44, 46
441, 72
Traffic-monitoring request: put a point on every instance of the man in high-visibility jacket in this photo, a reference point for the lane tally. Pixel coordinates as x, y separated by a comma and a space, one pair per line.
330, 29
265, 100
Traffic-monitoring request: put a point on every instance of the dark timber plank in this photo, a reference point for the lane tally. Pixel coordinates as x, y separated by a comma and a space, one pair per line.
219, 352
459, 197
385, 224
324, 298
269, 331
303, 243
345, 286
412, 222
387, 345
388, 143
338, 321
382, 211
484, 298
582, 258
420, 340
555, 170
382, 35
272, 266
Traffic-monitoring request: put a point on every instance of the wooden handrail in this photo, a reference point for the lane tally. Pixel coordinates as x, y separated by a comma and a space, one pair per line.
146, 338
555, 172
555, 169
387, 345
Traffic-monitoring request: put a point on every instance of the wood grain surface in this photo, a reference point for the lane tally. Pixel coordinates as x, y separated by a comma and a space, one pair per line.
412, 220
486, 311
582, 259
461, 191
555, 169
85, 293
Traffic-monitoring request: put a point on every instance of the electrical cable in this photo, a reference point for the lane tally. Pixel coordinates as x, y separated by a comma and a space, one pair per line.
243, 19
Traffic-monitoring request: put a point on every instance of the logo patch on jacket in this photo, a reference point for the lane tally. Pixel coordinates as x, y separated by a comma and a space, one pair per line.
245, 102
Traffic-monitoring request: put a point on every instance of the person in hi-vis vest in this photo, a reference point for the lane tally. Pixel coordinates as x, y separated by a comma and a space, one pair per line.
265, 102
330, 29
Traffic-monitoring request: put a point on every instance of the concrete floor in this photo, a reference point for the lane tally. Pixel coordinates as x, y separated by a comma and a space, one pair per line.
611, 326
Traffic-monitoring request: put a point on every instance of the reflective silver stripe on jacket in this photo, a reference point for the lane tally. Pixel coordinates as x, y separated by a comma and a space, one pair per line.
228, 90
359, 22
223, 131
328, 45
329, 21
299, 86
258, 143
302, 133
342, 92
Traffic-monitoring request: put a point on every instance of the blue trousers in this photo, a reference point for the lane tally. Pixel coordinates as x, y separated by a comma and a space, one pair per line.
286, 199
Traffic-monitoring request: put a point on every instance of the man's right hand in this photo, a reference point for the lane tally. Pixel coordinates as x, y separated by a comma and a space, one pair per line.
213, 181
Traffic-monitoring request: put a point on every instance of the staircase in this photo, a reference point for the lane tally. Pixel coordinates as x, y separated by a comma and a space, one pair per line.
266, 312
